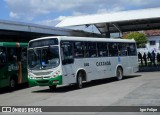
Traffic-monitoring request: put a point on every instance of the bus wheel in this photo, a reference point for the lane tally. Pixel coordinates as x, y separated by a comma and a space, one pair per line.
119, 73
12, 84
79, 81
53, 87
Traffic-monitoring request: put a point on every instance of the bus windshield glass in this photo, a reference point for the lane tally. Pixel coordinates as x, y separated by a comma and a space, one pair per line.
43, 58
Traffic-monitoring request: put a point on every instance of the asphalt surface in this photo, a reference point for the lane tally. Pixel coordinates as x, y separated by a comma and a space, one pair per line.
140, 89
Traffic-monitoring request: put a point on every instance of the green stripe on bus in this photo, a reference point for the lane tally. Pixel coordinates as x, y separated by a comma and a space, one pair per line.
13, 44
49, 82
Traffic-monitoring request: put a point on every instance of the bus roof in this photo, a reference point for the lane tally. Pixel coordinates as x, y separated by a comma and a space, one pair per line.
71, 38
13, 44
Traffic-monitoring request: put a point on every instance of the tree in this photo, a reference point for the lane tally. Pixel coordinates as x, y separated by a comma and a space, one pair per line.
140, 38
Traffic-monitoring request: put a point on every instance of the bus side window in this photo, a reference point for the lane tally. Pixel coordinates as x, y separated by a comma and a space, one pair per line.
102, 49
132, 49
91, 49
2, 55
12, 55
113, 49
78, 49
122, 49
23, 54
67, 50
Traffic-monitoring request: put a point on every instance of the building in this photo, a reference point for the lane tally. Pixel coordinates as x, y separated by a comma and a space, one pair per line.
153, 43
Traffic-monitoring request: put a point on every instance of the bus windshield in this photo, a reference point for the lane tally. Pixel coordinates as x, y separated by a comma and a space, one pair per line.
43, 58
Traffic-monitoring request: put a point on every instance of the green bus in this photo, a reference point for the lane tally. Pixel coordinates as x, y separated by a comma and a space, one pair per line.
13, 64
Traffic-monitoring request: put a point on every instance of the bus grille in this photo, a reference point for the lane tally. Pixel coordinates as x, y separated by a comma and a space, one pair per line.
42, 73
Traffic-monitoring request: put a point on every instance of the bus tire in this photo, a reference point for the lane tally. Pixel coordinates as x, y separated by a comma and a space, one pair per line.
53, 87
12, 84
119, 74
79, 80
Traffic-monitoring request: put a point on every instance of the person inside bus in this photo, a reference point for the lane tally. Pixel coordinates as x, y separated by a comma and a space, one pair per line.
13, 56
93, 54
24, 55
2, 56
101, 53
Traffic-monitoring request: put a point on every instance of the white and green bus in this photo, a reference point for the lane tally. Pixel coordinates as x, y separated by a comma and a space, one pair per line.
62, 60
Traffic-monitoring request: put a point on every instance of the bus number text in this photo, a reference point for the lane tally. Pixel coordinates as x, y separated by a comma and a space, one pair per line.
86, 64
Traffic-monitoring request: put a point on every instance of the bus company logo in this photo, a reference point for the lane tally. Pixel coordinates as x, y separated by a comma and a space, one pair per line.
103, 63
6, 109
12, 67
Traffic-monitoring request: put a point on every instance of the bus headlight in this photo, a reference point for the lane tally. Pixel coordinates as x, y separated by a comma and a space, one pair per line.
58, 72
30, 76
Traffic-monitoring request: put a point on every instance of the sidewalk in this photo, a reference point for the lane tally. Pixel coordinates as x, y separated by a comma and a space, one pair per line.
149, 68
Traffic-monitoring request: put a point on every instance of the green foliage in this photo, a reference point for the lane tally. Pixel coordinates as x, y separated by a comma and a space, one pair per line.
140, 38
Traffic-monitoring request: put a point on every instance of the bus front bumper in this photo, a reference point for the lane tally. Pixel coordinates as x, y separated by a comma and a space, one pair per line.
46, 82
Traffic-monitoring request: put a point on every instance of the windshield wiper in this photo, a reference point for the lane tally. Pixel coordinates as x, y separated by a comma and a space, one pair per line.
34, 50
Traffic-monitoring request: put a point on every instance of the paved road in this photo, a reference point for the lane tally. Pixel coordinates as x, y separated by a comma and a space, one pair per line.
141, 89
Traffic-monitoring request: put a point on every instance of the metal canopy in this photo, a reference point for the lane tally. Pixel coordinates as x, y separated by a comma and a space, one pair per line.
33, 28
19, 31
123, 21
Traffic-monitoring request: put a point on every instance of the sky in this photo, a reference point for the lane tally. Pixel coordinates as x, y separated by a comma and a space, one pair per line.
51, 12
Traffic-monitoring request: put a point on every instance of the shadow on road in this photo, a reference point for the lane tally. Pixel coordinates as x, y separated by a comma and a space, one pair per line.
19, 87
63, 89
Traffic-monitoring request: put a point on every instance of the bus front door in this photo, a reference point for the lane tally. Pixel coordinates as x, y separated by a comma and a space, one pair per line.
67, 63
